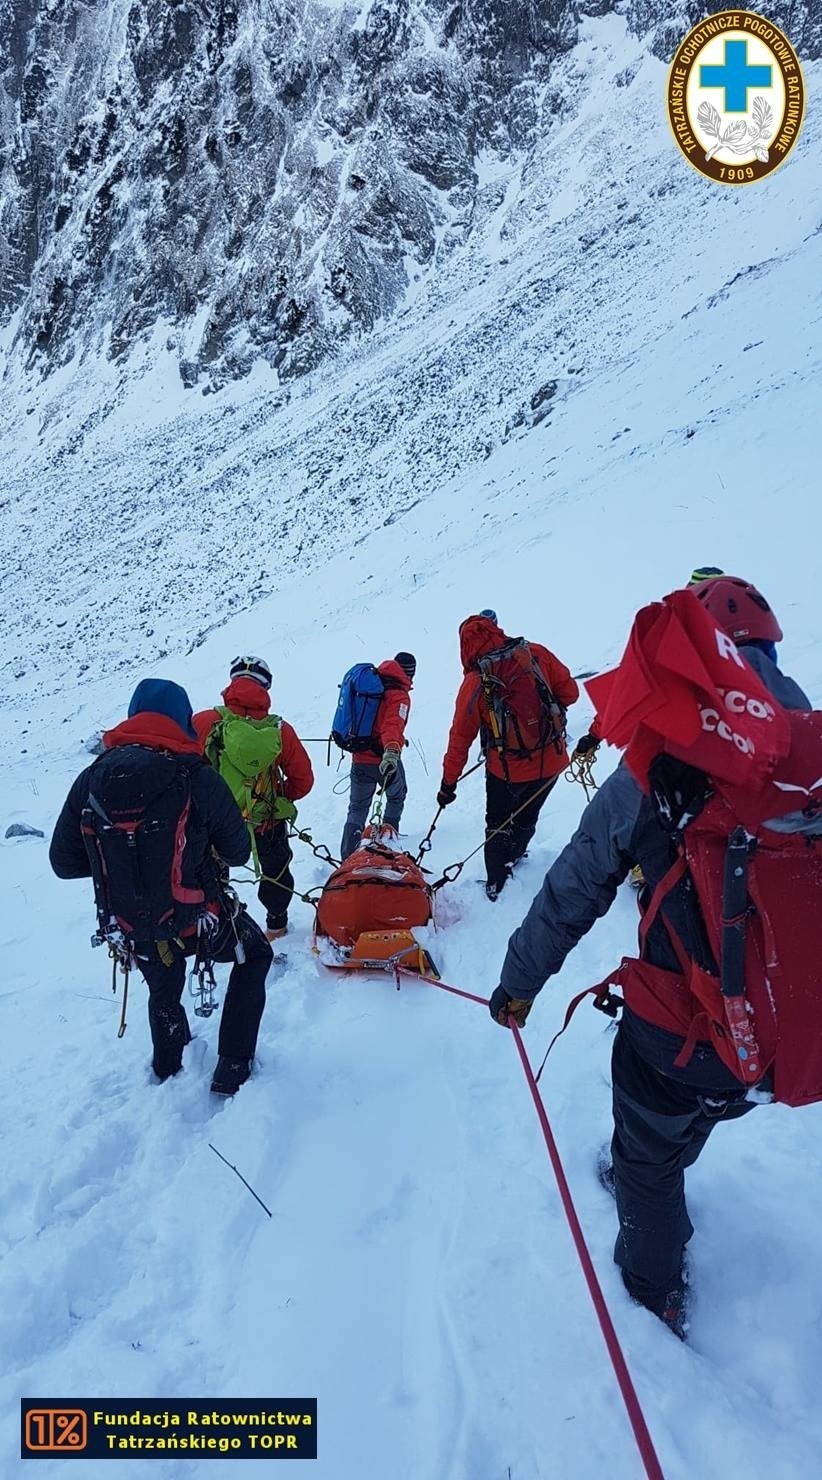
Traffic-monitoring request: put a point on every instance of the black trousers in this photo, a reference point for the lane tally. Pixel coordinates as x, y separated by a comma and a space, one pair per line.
501, 799
660, 1127
244, 998
274, 853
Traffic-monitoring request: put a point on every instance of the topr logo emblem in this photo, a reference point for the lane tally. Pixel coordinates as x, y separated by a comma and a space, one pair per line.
736, 97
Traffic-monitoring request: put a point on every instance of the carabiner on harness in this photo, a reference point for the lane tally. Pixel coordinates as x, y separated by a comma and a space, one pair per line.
122, 955
202, 970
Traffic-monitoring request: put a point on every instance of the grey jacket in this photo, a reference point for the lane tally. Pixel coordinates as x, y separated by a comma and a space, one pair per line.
618, 829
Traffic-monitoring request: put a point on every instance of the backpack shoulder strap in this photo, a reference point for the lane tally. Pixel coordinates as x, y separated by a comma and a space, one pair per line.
669, 881
214, 739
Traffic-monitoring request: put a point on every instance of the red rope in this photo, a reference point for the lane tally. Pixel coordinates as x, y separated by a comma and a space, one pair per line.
645, 1443
444, 987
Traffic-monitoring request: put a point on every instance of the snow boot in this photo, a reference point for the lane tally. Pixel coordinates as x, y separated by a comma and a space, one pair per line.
605, 1170
675, 1311
160, 1078
229, 1075
494, 887
277, 933
671, 1308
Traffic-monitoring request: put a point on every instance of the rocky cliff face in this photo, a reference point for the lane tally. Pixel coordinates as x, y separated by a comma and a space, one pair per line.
259, 177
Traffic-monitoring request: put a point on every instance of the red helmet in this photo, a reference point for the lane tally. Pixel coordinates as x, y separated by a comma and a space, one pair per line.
739, 609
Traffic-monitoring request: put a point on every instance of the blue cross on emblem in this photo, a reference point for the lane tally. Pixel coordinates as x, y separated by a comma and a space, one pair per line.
735, 76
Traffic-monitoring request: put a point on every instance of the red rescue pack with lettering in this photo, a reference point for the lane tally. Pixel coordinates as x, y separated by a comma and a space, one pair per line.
737, 780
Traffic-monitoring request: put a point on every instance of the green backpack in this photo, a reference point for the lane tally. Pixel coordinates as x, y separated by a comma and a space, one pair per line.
244, 751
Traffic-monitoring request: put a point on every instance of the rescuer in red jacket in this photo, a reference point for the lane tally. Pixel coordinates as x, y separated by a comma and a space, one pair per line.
292, 777
383, 763
514, 696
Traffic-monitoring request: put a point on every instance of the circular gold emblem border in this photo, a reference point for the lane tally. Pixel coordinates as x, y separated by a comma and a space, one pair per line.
679, 73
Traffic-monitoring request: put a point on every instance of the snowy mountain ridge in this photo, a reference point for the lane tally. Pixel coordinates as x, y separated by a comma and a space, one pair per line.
267, 178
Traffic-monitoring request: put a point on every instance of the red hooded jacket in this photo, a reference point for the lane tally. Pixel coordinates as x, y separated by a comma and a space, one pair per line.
392, 715
155, 730
479, 635
244, 696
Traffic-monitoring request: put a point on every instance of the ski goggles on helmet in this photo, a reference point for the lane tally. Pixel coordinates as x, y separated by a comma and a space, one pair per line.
255, 668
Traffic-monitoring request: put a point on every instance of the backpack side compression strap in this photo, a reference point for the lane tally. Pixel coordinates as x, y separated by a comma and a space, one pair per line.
502, 715
734, 925
736, 1024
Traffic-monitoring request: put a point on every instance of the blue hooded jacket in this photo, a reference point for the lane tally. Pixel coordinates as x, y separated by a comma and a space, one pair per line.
161, 696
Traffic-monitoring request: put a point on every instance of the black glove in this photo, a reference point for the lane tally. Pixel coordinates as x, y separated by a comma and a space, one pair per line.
446, 794
587, 745
501, 1007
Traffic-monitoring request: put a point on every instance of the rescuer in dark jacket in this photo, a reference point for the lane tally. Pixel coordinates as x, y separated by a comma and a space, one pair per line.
212, 835
663, 1115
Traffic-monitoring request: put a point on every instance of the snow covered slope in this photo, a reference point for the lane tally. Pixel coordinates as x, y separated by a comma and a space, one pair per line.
418, 1262
614, 307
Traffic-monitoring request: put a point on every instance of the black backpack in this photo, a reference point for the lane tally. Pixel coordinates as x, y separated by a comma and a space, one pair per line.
144, 840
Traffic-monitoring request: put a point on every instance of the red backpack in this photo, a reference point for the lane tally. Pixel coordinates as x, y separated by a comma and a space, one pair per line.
750, 842
524, 716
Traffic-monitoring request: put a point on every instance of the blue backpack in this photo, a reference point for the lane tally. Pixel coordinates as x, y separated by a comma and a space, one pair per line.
352, 727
